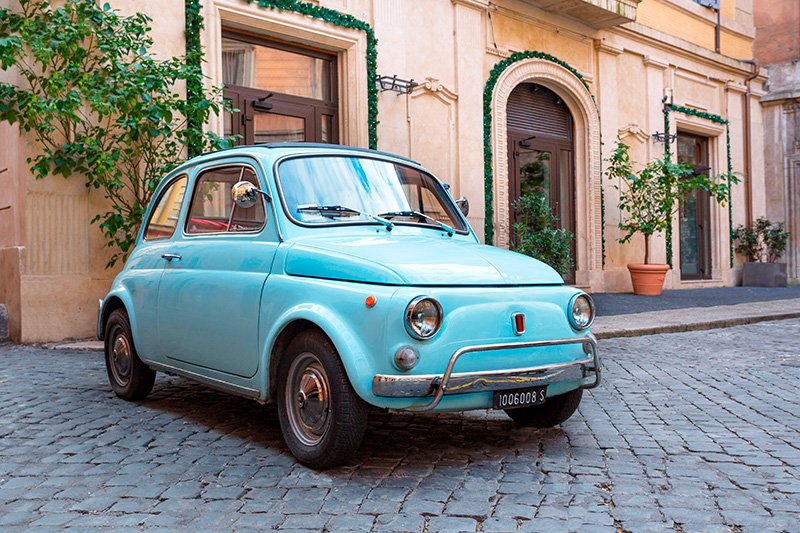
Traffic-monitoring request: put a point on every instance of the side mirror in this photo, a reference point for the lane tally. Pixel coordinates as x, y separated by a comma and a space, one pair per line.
463, 205
245, 195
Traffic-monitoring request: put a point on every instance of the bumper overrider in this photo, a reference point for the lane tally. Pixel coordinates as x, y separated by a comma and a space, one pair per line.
437, 386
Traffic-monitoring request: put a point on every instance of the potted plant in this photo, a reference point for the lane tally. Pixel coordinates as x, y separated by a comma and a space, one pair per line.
762, 244
536, 234
649, 199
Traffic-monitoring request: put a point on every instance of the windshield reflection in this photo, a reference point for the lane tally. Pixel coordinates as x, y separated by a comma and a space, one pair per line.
346, 189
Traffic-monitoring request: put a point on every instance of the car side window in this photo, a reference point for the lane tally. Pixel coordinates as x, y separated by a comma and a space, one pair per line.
164, 217
212, 208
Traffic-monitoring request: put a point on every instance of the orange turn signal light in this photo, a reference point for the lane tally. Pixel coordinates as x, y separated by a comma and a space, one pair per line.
370, 301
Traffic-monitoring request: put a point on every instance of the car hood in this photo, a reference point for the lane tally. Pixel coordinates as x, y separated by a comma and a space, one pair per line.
415, 260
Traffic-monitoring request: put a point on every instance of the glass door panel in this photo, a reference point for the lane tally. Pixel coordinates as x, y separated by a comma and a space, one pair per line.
535, 172
271, 127
694, 215
690, 260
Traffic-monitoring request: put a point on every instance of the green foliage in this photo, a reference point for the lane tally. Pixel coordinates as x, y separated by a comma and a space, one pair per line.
99, 105
536, 234
650, 197
761, 242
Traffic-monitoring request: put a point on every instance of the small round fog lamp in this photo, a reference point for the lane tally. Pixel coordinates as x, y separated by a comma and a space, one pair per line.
406, 358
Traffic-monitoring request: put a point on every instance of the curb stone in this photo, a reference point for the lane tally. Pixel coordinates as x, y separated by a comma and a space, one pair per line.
695, 326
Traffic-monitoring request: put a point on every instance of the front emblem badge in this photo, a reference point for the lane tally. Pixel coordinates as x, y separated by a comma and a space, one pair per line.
519, 323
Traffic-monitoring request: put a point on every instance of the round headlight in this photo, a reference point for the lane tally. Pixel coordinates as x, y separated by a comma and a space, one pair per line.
581, 311
423, 317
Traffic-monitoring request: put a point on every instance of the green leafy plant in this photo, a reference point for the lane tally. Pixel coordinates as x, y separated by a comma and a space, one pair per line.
762, 242
536, 234
650, 197
99, 105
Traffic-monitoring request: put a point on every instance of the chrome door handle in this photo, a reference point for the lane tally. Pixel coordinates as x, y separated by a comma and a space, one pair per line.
171, 257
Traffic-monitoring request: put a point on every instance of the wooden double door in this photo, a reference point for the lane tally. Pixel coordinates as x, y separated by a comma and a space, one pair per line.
541, 155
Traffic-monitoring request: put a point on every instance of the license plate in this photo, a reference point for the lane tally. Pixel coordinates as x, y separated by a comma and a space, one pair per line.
511, 399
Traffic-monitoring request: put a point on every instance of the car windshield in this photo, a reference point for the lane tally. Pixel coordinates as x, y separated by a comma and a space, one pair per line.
344, 189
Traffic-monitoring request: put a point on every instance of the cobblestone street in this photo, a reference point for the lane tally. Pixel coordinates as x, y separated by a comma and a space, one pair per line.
689, 432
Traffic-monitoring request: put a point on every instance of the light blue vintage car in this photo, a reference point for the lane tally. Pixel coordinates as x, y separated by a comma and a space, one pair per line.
329, 279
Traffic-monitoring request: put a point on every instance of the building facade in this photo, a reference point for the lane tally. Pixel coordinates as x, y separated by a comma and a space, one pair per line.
510, 95
777, 49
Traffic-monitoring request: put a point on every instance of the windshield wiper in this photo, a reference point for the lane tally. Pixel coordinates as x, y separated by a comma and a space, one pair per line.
340, 210
392, 214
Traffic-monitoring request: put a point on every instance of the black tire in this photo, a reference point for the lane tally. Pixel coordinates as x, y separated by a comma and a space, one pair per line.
130, 378
324, 427
554, 411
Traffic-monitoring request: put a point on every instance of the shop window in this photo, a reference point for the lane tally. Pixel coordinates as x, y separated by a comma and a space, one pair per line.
283, 92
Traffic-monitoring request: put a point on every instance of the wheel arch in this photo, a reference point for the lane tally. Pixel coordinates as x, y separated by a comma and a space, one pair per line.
348, 347
289, 332
119, 299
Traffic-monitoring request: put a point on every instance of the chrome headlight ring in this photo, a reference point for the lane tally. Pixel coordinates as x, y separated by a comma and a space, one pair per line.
581, 311
423, 317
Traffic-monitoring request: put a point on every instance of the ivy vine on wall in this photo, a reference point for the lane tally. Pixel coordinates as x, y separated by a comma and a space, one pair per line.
194, 24
729, 168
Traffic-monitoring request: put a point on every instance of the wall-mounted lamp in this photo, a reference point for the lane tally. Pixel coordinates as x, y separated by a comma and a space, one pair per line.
660, 137
398, 85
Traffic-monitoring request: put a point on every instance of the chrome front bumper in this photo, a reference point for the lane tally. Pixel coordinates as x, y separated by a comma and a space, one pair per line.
437, 385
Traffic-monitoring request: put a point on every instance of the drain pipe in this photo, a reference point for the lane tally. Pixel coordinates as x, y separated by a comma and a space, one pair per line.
748, 151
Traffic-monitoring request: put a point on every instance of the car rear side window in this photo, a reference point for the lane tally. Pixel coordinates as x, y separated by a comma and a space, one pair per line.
164, 217
212, 209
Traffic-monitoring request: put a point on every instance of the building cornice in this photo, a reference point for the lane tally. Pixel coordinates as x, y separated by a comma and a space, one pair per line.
480, 5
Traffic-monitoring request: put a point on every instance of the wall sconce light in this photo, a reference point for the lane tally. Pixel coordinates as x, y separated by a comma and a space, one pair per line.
398, 85
660, 137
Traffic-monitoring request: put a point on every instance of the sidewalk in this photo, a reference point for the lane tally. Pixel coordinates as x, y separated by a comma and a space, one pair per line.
627, 315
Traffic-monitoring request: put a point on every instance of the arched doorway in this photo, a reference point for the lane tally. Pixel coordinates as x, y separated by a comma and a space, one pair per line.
541, 154
572, 89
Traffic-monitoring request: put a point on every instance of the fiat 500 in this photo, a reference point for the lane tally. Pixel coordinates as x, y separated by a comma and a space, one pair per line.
329, 279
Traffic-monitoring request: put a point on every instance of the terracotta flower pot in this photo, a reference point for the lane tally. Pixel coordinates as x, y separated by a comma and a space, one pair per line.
648, 280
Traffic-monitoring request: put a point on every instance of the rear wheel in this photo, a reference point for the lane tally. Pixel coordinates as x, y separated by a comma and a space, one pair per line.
130, 378
554, 411
322, 419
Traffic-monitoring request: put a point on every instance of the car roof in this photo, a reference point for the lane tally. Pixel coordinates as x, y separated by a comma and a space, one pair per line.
282, 148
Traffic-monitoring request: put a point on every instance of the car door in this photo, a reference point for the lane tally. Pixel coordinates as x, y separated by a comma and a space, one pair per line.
145, 265
210, 291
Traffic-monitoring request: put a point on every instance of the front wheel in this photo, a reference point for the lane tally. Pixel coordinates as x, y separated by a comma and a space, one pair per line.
322, 419
554, 411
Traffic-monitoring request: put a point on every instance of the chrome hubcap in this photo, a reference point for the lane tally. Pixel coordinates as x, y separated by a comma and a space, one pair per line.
308, 399
121, 359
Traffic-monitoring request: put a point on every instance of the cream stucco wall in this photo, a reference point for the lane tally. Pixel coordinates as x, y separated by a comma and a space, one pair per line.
53, 260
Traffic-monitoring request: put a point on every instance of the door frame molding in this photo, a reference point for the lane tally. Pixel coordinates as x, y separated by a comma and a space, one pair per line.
720, 223
586, 138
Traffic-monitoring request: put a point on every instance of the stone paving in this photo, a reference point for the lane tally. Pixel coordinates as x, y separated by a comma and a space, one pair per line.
691, 431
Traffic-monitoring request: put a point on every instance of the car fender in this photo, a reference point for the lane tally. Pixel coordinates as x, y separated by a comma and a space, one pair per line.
349, 344
120, 292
